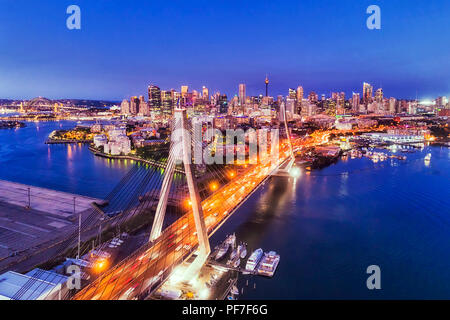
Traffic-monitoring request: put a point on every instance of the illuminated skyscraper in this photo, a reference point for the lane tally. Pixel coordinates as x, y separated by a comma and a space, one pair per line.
379, 95
242, 94
291, 107
267, 86
175, 96
222, 103
184, 91
134, 105
154, 99
392, 105
205, 93
367, 92
144, 109
292, 94
355, 102
125, 107
313, 97
300, 94
341, 99
167, 100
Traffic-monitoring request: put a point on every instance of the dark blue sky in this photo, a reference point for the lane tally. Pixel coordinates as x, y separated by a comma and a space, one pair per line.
123, 46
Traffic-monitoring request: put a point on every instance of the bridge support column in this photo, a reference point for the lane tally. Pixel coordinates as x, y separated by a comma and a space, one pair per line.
163, 198
200, 226
291, 151
181, 132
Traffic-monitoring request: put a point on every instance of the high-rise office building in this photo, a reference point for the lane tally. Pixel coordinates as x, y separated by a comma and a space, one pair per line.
167, 101
379, 95
367, 93
176, 96
291, 106
440, 102
313, 97
292, 94
242, 94
205, 93
144, 109
355, 102
125, 107
134, 105
154, 99
184, 91
299, 98
392, 105
222, 103
341, 100
300, 94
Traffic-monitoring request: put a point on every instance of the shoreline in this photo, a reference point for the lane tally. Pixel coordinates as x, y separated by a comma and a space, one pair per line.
127, 157
51, 141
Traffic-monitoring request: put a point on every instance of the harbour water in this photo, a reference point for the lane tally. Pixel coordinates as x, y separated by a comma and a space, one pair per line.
25, 158
328, 226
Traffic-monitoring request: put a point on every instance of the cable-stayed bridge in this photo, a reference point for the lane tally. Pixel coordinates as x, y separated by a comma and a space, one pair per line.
151, 264
185, 210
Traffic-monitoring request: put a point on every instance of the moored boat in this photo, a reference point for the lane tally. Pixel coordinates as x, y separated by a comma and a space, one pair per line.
234, 290
234, 254
254, 259
269, 264
225, 246
242, 249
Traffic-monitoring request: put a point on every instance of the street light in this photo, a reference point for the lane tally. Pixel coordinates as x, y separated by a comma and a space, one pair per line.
100, 265
295, 172
214, 186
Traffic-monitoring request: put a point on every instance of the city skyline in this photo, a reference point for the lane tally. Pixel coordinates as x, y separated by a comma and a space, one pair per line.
323, 49
328, 95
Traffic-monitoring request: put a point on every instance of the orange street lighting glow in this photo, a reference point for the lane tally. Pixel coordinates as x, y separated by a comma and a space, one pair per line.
214, 186
100, 265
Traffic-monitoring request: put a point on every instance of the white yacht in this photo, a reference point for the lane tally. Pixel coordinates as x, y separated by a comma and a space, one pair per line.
269, 264
254, 259
242, 250
223, 249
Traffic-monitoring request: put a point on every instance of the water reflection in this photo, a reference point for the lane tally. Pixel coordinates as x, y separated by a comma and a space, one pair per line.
337, 221
25, 158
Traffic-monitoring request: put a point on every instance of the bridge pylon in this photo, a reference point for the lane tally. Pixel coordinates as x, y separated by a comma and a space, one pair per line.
180, 150
289, 164
288, 134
